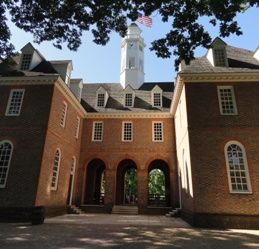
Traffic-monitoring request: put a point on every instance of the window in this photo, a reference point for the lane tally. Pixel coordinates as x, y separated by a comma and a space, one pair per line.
97, 131
63, 114
77, 127
15, 102
127, 131
219, 57
100, 99
158, 132
157, 100
6, 149
26, 61
237, 168
129, 99
55, 171
131, 62
227, 102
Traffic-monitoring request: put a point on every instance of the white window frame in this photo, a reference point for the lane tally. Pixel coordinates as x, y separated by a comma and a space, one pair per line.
132, 99
97, 100
63, 114
26, 62
231, 88
154, 134
153, 99
78, 121
54, 179
124, 131
10, 102
72, 174
94, 131
220, 57
8, 163
247, 177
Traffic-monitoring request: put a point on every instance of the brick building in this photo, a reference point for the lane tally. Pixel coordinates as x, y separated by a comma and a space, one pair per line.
63, 142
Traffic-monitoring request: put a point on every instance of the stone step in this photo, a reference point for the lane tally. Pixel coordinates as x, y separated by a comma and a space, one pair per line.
174, 213
121, 209
74, 210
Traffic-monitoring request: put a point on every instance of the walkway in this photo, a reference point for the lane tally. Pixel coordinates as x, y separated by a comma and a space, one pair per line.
120, 231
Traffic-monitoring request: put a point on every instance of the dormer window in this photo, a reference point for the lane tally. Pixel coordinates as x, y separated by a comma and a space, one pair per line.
26, 61
128, 99
157, 99
100, 99
157, 96
219, 57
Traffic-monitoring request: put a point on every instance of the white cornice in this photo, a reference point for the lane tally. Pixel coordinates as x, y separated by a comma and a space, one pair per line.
130, 115
177, 94
212, 77
28, 80
68, 93
220, 77
44, 80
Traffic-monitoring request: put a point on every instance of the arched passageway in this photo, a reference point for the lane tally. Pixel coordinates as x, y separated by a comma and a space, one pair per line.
126, 183
158, 183
95, 182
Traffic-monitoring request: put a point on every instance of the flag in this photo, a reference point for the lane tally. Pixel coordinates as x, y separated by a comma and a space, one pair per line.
145, 20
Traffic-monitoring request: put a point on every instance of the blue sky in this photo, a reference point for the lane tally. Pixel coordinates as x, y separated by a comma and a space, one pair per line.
94, 63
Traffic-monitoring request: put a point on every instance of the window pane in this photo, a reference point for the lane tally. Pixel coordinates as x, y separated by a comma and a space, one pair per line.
237, 169
5, 158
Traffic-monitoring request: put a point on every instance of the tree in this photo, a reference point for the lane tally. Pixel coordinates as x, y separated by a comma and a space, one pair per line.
156, 182
64, 21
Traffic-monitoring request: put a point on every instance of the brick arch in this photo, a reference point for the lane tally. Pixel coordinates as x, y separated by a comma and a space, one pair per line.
164, 167
93, 157
123, 166
156, 157
94, 171
127, 157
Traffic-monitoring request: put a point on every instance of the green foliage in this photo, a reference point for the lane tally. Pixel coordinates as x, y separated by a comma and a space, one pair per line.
130, 182
156, 182
64, 21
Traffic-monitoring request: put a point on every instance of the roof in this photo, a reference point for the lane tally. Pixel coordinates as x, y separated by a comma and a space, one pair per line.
239, 60
115, 102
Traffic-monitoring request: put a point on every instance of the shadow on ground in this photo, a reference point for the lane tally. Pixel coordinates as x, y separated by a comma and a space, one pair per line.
77, 234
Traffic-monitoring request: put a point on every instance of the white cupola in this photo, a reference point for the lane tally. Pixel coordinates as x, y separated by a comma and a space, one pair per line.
132, 58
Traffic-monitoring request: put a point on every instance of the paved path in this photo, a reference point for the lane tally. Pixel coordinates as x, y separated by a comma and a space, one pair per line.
120, 231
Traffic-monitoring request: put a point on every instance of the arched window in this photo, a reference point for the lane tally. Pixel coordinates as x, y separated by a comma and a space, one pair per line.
237, 168
6, 149
55, 172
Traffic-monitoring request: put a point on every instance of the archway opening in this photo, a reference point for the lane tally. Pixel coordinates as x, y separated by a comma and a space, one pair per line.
95, 182
126, 183
158, 184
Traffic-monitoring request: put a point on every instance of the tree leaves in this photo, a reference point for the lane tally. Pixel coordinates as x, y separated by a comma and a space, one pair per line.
64, 21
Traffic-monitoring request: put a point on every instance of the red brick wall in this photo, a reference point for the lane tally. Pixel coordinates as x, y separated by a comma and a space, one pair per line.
64, 139
27, 133
141, 150
209, 132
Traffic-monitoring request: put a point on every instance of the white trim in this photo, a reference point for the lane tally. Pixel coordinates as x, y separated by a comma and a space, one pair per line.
93, 131
153, 99
135, 115
231, 88
123, 131
217, 77
10, 100
132, 99
78, 121
58, 167
153, 131
249, 191
9, 162
63, 114
72, 173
